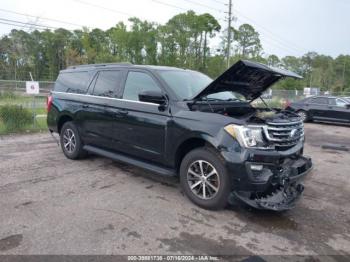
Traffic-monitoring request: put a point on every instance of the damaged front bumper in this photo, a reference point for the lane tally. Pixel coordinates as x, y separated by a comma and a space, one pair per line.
284, 186
283, 198
268, 180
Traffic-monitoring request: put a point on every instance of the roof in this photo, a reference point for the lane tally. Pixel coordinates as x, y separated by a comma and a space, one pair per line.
112, 65
324, 96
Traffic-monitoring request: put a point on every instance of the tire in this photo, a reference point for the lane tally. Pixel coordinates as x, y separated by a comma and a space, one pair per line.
73, 147
303, 115
211, 162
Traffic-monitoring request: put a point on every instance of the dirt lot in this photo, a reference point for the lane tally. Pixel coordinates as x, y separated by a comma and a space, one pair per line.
52, 205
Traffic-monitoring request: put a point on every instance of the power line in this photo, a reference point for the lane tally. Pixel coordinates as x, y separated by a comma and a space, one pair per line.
206, 6
272, 35
219, 2
180, 8
29, 24
171, 5
104, 8
44, 18
4, 23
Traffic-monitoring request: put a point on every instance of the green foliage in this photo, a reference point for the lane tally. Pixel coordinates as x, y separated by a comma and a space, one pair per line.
248, 42
8, 95
14, 118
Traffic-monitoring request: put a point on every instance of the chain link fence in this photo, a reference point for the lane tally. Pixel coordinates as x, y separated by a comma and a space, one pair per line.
22, 112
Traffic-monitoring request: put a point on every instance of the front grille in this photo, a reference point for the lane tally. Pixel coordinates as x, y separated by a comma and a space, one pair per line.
284, 135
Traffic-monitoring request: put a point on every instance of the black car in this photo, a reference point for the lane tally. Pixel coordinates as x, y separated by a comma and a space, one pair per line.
322, 108
180, 122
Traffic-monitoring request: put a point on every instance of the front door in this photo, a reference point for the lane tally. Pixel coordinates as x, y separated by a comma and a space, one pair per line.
338, 110
142, 126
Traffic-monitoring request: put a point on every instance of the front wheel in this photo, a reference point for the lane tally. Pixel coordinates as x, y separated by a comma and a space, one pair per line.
204, 179
303, 115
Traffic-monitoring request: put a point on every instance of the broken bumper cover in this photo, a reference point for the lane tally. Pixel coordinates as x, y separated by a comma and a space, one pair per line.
280, 200
284, 190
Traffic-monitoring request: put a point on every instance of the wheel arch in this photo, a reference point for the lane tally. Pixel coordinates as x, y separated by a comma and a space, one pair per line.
188, 145
62, 120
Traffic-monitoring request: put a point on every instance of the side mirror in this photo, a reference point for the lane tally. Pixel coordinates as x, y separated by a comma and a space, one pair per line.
155, 97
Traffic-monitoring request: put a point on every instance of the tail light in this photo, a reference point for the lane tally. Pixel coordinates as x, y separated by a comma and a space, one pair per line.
49, 103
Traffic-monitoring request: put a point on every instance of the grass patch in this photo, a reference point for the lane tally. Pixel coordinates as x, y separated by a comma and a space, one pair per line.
16, 119
40, 126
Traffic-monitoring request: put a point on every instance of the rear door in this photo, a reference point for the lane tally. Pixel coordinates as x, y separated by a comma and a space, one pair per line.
99, 117
142, 126
338, 111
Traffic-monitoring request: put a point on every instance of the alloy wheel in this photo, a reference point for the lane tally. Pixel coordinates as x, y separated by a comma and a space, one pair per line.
203, 179
302, 115
69, 141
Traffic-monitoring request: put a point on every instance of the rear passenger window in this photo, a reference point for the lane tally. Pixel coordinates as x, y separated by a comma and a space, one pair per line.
108, 84
320, 100
72, 82
138, 82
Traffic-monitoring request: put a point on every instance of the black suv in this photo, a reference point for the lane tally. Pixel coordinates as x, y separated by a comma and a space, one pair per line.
180, 122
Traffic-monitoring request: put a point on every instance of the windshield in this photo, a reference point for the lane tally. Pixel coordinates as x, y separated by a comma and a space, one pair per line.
185, 84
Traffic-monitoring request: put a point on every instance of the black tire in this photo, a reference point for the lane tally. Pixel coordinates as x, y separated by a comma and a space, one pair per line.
303, 115
218, 200
72, 153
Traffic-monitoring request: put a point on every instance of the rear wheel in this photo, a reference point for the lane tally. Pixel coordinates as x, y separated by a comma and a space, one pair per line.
204, 179
303, 115
71, 142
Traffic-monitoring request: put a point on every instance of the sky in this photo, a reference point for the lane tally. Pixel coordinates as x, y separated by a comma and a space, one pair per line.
286, 27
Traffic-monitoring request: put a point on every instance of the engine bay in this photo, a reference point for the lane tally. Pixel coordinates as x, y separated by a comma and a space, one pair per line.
245, 111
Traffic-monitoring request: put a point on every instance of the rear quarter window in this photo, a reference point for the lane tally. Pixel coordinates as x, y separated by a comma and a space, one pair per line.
72, 82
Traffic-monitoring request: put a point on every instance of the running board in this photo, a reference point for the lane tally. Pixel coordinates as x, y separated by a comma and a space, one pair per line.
132, 161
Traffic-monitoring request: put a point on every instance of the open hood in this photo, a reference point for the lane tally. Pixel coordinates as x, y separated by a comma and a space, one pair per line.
247, 78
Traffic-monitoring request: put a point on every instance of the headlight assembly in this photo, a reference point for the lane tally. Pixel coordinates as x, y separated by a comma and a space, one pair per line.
248, 136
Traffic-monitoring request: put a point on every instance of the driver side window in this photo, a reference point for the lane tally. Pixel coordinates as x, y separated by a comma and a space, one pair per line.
136, 83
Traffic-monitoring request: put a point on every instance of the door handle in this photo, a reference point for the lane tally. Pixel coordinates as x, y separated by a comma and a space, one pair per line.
86, 106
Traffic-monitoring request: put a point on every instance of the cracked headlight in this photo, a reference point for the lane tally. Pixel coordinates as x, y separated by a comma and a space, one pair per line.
247, 136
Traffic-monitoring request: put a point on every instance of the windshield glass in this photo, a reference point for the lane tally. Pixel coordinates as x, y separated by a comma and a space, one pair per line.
185, 84
227, 96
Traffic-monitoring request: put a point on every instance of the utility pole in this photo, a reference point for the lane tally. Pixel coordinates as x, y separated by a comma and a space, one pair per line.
229, 33
344, 74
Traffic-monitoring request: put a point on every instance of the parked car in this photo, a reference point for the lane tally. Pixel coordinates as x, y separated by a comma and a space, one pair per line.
173, 122
322, 108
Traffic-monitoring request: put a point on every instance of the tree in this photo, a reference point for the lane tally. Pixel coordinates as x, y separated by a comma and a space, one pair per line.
248, 42
208, 25
184, 41
273, 60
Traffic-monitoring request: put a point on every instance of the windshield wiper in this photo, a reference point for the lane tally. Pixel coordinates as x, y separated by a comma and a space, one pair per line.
213, 99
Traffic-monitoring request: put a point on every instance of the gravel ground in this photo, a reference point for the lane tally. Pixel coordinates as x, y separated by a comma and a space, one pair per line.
52, 205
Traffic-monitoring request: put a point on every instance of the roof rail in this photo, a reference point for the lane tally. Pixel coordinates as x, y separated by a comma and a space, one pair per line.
99, 65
